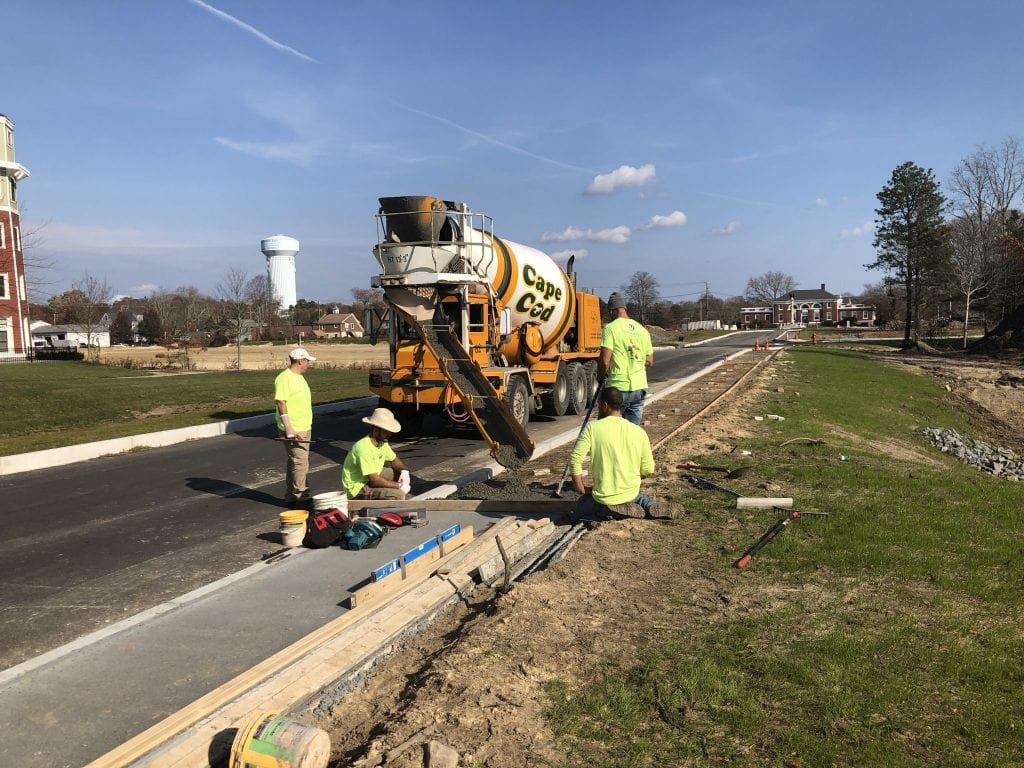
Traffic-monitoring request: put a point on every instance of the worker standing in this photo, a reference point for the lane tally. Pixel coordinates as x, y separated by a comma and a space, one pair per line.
626, 351
294, 418
620, 456
371, 469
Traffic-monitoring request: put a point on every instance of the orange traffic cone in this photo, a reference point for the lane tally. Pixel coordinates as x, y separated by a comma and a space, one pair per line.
766, 344
757, 345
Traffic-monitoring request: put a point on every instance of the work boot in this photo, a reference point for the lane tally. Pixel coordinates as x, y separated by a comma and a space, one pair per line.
665, 510
629, 509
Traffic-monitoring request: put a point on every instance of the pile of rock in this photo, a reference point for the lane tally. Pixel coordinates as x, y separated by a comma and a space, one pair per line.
1001, 462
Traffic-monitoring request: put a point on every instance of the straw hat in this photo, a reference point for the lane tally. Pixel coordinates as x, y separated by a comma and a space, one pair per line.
383, 419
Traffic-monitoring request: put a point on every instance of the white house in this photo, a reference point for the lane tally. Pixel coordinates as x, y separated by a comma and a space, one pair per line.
46, 335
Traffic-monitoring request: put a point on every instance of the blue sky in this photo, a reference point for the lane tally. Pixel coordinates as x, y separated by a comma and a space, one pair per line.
698, 141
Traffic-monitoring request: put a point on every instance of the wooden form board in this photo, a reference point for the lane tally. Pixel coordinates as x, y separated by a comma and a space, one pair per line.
541, 506
152, 738
425, 563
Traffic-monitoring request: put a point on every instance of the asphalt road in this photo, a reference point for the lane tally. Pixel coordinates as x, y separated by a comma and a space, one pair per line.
88, 544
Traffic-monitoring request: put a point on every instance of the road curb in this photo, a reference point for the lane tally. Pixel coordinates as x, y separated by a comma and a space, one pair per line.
56, 457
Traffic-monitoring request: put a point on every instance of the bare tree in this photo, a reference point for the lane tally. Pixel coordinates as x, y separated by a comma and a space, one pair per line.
763, 290
232, 290
642, 293
90, 299
261, 301
161, 303
971, 253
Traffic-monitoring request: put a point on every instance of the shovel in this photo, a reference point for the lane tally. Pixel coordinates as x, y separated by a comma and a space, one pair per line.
590, 410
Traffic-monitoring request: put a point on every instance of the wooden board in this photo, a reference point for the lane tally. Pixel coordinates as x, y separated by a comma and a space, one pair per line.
545, 506
424, 564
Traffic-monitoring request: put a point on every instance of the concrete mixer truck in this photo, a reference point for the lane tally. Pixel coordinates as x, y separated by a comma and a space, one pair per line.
479, 328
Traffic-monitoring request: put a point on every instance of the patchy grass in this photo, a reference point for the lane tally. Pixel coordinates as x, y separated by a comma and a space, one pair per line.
887, 634
49, 405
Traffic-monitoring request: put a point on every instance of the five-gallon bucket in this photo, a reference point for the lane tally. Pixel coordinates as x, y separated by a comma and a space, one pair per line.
293, 527
330, 500
269, 740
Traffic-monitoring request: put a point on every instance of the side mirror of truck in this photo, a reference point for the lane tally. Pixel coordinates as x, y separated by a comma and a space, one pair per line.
505, 321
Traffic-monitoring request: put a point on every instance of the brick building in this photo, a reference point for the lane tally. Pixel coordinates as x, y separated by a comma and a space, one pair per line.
15, 337
815, 306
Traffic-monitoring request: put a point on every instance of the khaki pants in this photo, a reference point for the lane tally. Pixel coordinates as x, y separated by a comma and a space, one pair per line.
298, 466
383, 493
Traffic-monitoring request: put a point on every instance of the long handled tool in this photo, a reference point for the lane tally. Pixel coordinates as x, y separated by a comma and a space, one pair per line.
702, 482
772, 532
590, 410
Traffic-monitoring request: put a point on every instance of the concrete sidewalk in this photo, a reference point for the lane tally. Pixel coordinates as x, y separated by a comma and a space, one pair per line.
82, 700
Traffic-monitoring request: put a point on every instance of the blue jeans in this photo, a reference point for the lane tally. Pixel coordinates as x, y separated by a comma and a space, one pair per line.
633, 405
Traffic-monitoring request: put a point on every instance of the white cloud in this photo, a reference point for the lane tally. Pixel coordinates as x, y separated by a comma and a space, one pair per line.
623, 176
296, 152
616, 235
251, 30
729, 229
821, 202
144, 289
867, 228
579, 253
674, 219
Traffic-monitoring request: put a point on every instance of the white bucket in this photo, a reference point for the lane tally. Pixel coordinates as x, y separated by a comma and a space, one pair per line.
331, 500
292, 535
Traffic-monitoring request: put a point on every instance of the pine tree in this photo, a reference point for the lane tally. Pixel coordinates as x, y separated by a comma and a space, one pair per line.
909, 236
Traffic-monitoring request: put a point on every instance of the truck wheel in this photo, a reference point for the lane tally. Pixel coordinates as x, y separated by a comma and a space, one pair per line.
590, 368
517, 398
557, 400
410, 417
578, 389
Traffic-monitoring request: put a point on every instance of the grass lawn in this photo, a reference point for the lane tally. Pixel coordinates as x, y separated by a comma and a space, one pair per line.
888, 634
54, 404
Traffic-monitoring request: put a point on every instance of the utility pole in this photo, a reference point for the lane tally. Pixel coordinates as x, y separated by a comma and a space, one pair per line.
707, 289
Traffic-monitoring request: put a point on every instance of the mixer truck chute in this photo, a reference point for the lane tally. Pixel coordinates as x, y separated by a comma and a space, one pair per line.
479, 328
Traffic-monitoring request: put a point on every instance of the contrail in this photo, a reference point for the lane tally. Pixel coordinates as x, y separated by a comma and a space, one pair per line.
490, 139
251, 30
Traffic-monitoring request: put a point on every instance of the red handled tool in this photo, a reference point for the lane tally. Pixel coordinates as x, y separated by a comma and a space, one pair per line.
772, 532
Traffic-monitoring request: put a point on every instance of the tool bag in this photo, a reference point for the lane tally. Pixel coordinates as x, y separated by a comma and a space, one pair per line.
324, 529
363, 534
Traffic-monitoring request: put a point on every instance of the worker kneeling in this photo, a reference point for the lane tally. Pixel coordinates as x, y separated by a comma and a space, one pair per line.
371, 469
620, 455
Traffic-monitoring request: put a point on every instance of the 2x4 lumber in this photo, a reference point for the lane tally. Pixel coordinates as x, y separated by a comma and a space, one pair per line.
158, 734
546, 506
425, 564
341, 655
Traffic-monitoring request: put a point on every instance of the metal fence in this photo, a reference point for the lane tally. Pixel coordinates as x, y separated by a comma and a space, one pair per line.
40, 355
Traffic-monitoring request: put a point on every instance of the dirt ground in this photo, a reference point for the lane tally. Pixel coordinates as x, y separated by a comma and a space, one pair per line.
253, 358
475, 679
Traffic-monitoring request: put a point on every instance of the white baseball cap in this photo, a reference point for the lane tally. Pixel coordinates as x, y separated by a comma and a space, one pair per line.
301, 354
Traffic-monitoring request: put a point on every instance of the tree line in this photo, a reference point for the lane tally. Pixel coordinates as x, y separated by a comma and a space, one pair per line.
243, 305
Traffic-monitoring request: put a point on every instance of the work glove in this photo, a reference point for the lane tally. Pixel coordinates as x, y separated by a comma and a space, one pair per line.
404, 481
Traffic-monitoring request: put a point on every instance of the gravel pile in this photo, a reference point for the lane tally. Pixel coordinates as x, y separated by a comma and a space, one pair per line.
1001, 462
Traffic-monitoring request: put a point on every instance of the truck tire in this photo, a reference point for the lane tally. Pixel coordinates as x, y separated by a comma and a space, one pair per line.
578, 389
517, 398
410, 417
556, 402
590, 368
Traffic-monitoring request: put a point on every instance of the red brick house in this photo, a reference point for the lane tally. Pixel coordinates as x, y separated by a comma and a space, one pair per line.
816, 306
15, 337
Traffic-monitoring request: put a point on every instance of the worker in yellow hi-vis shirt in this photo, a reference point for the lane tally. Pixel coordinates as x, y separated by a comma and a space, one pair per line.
626, 351
295, 423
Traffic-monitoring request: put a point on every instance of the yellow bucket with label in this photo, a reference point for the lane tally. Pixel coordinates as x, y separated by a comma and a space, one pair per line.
293, 527
269, 740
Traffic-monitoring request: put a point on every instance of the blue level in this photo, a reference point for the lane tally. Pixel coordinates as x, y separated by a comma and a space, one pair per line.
386, 569
421, 550
450, 533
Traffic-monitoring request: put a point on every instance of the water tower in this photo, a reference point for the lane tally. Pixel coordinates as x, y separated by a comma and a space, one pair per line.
280, 251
